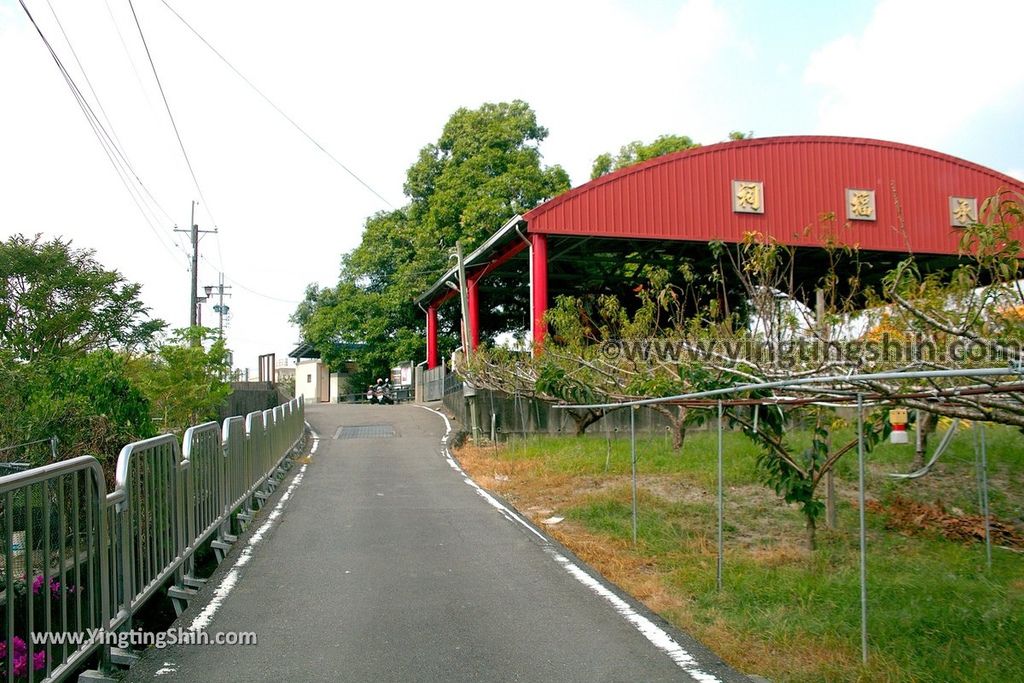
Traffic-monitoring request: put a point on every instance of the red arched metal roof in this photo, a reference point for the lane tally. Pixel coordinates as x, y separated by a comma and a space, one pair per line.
689, 195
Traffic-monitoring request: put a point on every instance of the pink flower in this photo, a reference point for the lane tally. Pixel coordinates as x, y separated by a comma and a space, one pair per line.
20, 658
20, 665
37, 584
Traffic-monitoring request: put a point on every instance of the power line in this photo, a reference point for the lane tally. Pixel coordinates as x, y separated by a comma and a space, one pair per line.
124, 45
121, 165
85, 75
250, 289
167, 106
220, 250
276, 108
177, 133
110, 125
261, 294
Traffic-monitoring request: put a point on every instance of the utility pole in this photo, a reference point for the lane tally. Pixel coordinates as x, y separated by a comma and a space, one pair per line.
468, 390
220, 308
464, 301
194, 232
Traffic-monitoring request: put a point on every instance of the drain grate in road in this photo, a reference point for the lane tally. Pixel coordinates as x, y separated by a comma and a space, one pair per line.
365, 432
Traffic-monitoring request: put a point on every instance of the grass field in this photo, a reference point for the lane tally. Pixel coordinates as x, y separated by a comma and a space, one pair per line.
936, 613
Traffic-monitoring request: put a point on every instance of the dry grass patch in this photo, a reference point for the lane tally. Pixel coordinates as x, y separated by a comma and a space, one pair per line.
786, 613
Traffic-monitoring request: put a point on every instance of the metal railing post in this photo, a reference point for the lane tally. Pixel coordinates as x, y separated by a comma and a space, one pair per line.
632, 449
863, 532
721, 505
984, 499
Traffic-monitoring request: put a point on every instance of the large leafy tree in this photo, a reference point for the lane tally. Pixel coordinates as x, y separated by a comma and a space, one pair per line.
637, 151
66, 325
485, 168
70, 366
59, 301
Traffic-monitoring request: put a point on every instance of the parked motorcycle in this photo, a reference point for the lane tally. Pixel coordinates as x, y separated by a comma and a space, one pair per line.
382, 394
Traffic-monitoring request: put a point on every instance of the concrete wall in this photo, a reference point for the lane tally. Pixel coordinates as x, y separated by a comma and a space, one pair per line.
522, 415
248, 397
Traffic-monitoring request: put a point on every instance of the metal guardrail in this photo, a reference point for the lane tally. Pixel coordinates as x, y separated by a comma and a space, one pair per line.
76, 558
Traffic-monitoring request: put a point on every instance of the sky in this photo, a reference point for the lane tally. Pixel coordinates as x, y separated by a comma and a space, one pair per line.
373, 82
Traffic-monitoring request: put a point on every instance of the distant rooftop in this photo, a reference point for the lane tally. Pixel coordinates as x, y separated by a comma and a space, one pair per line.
307, 350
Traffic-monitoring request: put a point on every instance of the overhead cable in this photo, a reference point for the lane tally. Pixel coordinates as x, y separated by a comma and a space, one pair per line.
277, 108
119, 146
116, 157
167, 106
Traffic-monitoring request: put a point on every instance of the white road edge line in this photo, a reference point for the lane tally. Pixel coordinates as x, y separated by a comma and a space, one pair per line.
227, 584
647, 628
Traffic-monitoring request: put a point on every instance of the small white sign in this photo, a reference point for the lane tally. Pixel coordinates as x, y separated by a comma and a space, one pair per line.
18, 543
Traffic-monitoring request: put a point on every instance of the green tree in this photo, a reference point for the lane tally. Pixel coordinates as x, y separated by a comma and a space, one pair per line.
88, 402
184, 381
485, 168
637, 151
59, 301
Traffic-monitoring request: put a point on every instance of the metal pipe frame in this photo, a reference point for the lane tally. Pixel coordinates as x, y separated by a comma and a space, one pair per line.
1012, 370
802, 381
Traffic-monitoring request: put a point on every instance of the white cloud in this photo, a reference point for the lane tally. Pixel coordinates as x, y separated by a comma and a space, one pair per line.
919, 70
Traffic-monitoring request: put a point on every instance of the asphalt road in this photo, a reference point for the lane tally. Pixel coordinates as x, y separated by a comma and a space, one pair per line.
384, 564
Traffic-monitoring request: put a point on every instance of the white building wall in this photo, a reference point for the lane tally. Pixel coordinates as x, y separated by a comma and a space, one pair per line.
306, 374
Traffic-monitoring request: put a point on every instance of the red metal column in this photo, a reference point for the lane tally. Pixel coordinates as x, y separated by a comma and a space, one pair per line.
538, 286
473, 296
431, 337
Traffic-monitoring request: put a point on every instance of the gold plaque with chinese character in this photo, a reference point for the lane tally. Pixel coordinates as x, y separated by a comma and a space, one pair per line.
860, 205
963, 211
747, 196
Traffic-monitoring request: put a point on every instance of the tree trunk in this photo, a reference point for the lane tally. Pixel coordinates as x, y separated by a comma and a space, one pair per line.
677, 422
584, 419
679, 429
812, 540
924, 427
678, 437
